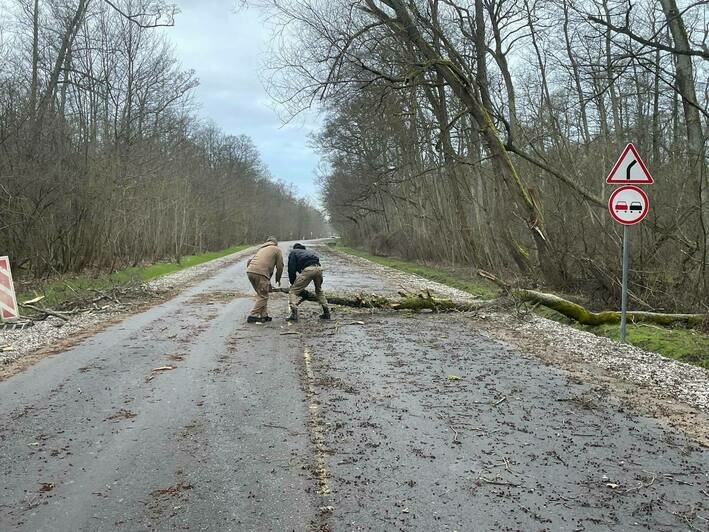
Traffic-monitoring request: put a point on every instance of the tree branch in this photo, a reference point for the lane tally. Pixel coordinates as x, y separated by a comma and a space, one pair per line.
625, 30
156, 17
596, 201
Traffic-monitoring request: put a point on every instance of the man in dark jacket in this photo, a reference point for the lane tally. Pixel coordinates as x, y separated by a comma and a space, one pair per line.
304, 267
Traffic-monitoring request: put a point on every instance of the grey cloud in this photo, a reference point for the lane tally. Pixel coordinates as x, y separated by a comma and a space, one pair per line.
227, 49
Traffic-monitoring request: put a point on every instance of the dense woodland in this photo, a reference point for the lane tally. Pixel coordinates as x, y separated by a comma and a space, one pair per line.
103, 160
481, 132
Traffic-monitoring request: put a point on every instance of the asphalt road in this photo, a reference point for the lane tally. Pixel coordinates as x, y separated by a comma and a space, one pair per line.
374, 421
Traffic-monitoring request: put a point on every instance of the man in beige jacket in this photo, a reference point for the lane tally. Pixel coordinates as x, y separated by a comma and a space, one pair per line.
259, 270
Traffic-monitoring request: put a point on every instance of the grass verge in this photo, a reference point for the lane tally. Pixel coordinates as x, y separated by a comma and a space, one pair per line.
447, 276
685, 345
59, 291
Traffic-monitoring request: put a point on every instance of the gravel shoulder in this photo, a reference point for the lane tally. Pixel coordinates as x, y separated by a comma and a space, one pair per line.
29, 345
654, 385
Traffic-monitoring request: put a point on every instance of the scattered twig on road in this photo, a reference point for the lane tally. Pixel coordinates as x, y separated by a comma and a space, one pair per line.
493, 403
158, 370
498, 482
164, 368
508, 467
556, 455
669, 476
450, 425
641, 485
682, 517
274, 426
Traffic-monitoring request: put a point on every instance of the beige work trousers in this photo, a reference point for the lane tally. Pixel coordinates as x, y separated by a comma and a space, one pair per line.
311, 273
261, 284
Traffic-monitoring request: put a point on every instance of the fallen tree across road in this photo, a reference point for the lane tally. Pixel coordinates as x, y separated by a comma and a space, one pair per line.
421, 301
426, 301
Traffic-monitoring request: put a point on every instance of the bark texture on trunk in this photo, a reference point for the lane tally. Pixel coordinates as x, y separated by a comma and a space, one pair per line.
695, 136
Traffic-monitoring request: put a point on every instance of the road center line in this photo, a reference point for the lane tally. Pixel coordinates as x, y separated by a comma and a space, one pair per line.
316, 428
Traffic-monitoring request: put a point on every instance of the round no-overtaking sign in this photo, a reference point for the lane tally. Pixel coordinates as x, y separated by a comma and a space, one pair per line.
628, 205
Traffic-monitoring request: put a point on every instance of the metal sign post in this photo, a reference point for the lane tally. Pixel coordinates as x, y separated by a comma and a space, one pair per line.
624, 295
628, 205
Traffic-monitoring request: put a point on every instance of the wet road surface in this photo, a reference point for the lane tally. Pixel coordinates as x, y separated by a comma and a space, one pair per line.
374, 421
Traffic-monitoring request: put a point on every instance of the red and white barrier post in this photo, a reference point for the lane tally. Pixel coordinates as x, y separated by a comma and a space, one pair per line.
8, 301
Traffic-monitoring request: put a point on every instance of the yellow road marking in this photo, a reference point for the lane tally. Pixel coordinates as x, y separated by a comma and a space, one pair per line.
316, 429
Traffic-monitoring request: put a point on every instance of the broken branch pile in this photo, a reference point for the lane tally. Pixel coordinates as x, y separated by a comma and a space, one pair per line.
88, 300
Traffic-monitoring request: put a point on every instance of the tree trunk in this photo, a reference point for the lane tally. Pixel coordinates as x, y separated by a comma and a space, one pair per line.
422, 301
35, 59
695, 137
64, 48
585, 133
586, 317
610, 78
468, 95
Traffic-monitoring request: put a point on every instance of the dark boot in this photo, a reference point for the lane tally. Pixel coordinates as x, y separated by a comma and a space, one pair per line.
325, 314
253, 319
266, 319
293, 316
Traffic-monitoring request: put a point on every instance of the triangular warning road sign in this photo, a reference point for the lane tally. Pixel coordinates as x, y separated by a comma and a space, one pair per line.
630, 168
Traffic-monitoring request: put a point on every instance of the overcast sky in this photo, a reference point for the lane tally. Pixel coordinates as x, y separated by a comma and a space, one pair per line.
227, 49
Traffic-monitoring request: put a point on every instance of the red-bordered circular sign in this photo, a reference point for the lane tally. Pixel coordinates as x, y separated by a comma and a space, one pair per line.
628, 205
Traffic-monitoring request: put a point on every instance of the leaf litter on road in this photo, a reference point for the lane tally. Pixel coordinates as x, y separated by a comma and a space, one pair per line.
121, 414
172, 490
